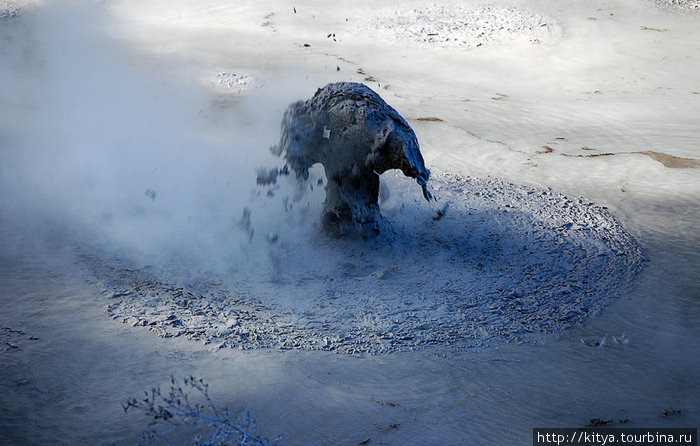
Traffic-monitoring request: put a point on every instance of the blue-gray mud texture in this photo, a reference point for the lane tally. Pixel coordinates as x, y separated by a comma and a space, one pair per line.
356, 136
506, 263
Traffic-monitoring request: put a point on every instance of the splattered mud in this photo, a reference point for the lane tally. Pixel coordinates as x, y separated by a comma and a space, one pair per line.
497, 263
225, 82
461, 26
681, 5
10, 10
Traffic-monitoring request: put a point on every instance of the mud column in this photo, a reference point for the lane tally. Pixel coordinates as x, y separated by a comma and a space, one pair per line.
356, 136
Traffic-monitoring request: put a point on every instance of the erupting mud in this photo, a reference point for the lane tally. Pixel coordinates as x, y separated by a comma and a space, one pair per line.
356, 136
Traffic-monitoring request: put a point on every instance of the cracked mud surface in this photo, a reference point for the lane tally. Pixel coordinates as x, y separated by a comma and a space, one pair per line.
499, 263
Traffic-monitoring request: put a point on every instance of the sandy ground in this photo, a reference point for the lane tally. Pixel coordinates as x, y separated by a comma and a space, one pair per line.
560, 286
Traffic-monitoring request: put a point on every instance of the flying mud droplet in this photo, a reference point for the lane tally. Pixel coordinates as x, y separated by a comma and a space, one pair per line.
269, 176
356, 136
246, 225
441, 212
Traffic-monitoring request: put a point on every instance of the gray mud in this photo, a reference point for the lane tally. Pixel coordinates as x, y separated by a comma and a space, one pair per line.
356, 136
497, 263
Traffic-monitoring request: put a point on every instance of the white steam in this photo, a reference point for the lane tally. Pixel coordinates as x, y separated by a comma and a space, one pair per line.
123, 156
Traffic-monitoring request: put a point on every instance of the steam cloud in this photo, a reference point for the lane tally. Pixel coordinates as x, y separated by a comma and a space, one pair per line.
126, 157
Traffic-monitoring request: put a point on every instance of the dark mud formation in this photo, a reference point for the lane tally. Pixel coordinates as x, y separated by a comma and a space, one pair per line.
356, 136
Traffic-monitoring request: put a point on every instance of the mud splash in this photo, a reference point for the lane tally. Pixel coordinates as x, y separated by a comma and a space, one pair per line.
356, 136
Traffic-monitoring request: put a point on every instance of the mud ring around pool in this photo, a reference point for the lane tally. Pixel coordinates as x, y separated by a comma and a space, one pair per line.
505, 263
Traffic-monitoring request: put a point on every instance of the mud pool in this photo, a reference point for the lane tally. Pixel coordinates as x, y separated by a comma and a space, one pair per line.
129, 142
499, 263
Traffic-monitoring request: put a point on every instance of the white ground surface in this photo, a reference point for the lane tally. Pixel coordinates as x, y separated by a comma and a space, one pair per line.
129, 140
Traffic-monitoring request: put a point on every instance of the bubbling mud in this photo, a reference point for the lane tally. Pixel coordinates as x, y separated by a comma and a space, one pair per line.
356, 136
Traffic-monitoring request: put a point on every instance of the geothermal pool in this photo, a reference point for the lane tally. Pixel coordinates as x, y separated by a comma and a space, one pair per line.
552, 283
